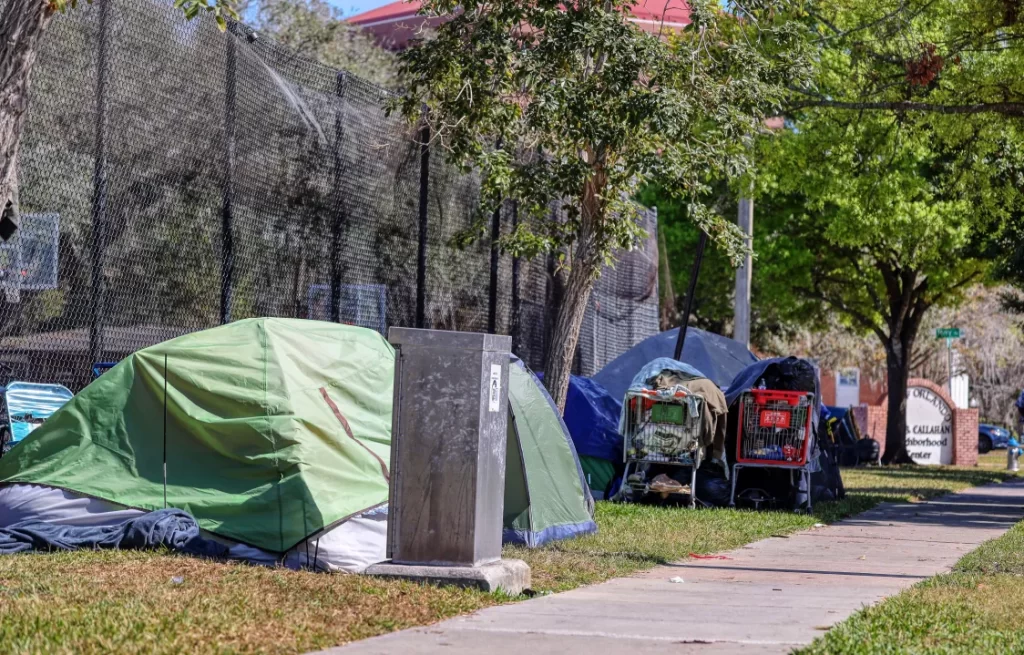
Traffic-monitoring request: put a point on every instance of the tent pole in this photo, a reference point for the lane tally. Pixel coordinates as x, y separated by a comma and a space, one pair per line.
165, 431
688, 306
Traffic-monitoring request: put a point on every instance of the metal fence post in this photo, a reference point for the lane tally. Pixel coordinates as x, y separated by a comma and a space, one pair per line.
338, 223
227, 253
421, 255
515, 321
99, 197
492, 295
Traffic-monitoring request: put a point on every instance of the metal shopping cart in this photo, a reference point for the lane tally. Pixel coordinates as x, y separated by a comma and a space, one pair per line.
774, 431
660, 427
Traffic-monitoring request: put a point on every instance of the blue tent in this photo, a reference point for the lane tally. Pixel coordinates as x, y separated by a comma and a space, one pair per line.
719, 358
592, 417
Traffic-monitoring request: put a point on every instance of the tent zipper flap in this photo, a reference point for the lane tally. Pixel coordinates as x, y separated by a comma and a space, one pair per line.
526, 477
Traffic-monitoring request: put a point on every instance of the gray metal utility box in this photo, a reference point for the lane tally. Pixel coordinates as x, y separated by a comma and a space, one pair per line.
448, 447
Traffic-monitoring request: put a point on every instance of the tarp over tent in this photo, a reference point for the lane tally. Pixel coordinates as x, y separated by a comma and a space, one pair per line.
718, 358
546, 495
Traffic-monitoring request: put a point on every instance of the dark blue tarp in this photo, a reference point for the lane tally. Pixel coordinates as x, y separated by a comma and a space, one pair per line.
170, 528
592, 417
718, 358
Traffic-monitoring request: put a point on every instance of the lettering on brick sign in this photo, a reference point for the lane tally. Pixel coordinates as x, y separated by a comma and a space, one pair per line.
929, 427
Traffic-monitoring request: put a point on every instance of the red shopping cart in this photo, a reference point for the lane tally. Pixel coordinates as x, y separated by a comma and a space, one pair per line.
774, 431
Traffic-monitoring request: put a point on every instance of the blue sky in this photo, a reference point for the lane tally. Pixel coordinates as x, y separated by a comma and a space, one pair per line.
358, 6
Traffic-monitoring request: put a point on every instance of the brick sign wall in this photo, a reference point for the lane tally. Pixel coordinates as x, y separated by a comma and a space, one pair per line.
928, 406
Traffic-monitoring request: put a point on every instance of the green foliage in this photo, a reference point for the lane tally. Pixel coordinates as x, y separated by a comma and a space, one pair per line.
948, 71
221, 10
961, 56
780, 265
579, 106
712, 308
314, 29
897, 212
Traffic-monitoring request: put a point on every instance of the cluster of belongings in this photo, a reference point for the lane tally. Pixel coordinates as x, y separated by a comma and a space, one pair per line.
665, 374
275, 435
852, 449
776, 487
593, 406
757, 487
673, 418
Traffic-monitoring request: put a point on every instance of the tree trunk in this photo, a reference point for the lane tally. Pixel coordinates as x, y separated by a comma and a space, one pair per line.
21, 26
898, 370
565, 333
585, 266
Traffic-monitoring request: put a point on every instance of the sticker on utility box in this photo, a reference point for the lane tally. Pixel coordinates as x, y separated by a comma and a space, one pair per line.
494, 399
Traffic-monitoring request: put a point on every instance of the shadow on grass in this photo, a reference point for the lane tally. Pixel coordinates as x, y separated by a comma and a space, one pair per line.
902, 493
637, 537
978, 476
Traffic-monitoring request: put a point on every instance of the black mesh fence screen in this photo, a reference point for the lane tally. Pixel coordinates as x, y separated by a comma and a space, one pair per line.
172, 178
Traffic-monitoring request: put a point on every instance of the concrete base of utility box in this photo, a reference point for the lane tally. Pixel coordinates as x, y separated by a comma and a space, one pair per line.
510, 575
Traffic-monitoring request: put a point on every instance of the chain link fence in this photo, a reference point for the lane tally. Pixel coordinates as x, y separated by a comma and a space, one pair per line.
173, 178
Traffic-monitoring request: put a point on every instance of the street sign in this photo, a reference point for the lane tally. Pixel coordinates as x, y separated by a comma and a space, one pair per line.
947, 333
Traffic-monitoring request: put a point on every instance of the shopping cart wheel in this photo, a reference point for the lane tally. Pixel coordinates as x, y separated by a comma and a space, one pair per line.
756, 498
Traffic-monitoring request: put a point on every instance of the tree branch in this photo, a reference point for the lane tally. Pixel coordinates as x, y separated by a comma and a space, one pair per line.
855, 314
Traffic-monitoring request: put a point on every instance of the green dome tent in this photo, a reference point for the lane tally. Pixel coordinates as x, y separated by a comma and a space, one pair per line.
546, 495
277, 431
253, 449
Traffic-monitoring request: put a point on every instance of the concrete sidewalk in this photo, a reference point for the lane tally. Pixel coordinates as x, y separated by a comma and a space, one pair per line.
767, 597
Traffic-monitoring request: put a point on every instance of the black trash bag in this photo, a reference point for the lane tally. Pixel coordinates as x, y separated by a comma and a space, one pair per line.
821, 494
827, 481
868, 451
712, 488
791, 374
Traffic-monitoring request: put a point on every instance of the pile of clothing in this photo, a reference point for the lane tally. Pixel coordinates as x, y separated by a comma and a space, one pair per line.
668, 375
685, 402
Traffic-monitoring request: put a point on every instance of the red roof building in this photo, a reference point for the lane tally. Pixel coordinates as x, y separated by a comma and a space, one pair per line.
395, 24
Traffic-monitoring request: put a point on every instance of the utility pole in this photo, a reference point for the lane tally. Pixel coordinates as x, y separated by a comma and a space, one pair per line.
741, 320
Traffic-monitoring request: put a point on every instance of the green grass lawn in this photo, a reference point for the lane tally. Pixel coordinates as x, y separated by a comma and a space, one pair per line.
129, 602
994, 460
974, 609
